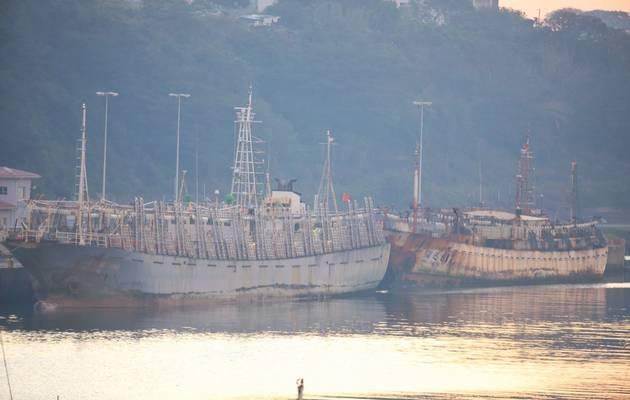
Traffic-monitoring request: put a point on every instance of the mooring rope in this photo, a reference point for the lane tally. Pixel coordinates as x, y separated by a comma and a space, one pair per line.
6, 368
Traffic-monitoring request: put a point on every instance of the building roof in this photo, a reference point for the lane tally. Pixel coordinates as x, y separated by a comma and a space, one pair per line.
12, 173
6, 206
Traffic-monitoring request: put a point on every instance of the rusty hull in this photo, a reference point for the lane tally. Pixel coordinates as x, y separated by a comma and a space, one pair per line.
425, 261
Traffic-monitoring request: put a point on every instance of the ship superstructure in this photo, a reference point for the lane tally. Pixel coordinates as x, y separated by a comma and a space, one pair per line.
257, 245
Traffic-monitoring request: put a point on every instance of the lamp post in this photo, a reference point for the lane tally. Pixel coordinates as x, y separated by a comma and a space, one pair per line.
179, 107
417, 183
107, 95
420, 148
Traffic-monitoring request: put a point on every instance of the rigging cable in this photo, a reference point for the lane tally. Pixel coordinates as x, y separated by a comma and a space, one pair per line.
6, 369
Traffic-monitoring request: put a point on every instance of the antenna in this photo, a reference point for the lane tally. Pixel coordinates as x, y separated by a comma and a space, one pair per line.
326, 187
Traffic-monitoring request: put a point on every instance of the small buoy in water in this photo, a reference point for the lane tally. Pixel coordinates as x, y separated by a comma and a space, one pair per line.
44, 307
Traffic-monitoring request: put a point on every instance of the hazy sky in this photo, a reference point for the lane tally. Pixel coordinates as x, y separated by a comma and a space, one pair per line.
531, 6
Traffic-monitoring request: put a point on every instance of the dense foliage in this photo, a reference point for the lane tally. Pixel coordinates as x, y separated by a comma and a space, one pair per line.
351, 66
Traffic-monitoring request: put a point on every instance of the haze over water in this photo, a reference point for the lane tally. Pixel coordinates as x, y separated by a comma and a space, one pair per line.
558, 341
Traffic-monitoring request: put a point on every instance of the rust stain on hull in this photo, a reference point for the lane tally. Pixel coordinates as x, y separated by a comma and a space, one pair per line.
421, 260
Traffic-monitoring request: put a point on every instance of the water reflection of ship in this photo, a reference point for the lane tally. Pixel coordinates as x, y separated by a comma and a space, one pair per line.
258, 244
483, 246
341, 315
511, 304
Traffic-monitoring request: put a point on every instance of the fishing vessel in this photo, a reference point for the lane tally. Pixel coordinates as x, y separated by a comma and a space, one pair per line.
258, 244
451, 247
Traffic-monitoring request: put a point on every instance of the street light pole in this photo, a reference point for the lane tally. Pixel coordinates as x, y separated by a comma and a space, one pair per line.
417, 184
179, 107
107, 96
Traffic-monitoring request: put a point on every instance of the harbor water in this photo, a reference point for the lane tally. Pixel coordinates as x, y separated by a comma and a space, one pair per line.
553, 341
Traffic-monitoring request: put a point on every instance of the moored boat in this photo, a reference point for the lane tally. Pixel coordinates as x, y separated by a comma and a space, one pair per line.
251, 247
451, 247
491, 247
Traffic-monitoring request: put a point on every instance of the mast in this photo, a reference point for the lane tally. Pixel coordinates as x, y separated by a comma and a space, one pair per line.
268, 188
574, 199
244, 185
326, 187
480, 174
82, 188
82, 193
416, 186
524, 186
179, 109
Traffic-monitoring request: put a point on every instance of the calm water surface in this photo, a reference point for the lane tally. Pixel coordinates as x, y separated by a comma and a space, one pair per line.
557, 341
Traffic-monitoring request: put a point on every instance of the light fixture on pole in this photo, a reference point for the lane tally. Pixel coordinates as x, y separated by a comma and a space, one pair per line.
179, 107
417, 182
107, 95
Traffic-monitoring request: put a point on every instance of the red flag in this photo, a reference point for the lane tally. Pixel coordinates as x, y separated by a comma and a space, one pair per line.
345, 197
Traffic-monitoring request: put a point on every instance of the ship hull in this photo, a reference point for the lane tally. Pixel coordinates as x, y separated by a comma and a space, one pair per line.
419, 260
15, 286
83, 276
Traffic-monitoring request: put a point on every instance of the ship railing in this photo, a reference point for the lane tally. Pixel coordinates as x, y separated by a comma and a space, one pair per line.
85, 239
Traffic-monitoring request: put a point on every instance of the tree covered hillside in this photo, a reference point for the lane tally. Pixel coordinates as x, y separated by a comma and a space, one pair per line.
352, 66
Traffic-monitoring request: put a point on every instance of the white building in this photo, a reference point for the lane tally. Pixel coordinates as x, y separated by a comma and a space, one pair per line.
485, 4
257, 20
15, 186
400, 3
262, 4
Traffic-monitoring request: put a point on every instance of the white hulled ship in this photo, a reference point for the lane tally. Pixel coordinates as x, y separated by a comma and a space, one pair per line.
253, 247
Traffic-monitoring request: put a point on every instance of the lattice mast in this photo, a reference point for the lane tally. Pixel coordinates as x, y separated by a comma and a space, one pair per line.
326, 191
524, 185
244, 182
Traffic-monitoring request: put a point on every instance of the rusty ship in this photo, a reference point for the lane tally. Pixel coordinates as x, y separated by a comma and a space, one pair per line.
451, 247
257, 244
